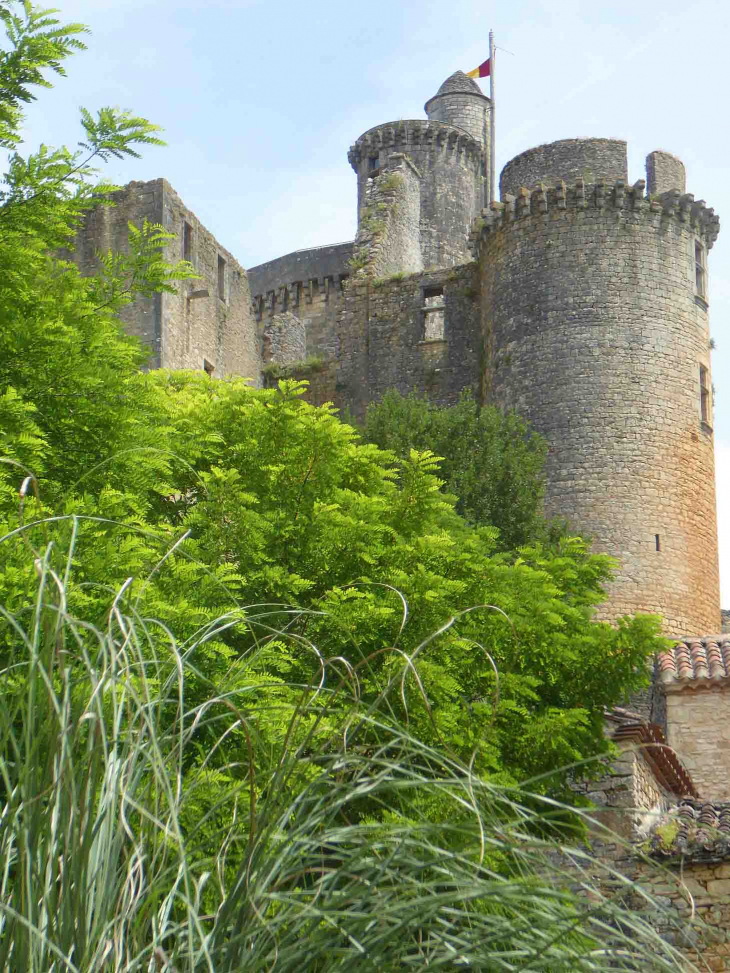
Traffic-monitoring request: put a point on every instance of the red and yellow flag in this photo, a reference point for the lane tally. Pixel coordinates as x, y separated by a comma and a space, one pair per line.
483, 71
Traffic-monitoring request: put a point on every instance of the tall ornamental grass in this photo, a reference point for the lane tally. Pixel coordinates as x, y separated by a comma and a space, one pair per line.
126, 845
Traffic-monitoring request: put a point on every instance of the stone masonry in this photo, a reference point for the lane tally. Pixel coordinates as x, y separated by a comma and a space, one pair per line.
209, 322
596, 330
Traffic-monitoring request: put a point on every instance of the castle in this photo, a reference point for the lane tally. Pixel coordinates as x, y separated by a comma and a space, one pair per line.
578, 299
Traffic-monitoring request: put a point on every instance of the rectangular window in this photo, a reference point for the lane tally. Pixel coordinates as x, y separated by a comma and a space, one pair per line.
187, 241
700, 274
705, 410
433, 314
657, 542
208, 367
221, 278
373, 162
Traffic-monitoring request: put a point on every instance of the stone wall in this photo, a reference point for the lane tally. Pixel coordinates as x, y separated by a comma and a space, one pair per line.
216, 331
594, 160
664, 172
107, 228
308, 284
284, 340
698, 727
595, 332
694, 913
382, 330
388, 237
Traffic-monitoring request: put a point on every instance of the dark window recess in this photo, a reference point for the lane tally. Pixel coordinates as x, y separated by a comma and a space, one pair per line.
433, 314
187, 241
657, 542
373, 162
343, 278
704, 395
221, 278
208, 367
700, 275
315, 287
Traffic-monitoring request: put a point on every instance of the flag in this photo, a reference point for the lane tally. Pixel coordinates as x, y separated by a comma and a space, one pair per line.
483, 71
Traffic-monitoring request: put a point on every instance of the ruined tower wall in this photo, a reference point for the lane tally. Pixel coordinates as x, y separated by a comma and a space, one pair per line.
593, 160
308, 284
388, 239
664, 172
596, 330
451, 165
107, 228
217, 329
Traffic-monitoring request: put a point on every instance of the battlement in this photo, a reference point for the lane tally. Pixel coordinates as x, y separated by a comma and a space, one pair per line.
591, 159
412, 133
672, 205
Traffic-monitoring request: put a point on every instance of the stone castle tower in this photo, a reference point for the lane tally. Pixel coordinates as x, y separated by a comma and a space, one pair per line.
448, 152
595, 320
579, 299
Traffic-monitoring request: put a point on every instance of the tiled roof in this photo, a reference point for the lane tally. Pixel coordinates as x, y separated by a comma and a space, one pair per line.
695, 663
459, 84
669, 772
695, 830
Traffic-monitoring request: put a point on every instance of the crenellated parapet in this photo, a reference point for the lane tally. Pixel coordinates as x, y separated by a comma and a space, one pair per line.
682, 208
414, 134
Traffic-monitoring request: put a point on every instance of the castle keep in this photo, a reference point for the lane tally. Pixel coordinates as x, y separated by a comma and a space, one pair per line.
579, 299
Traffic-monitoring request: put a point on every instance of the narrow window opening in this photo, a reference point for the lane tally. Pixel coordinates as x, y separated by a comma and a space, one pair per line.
343, 278
221, 278
433, 314
373, 163
704, 395
315, 287
700, 275
657, 542
208, 367
187, 241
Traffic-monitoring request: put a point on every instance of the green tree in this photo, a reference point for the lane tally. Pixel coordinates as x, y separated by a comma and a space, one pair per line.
491, 460
197, 498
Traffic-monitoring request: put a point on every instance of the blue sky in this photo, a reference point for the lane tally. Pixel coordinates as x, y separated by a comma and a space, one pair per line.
261, 100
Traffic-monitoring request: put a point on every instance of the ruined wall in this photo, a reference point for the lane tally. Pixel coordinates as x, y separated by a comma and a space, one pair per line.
388, 238
664, 172
284, 340
451, 163
383, 344
216, 331
107, 228
595, 332
307, 283
593, 160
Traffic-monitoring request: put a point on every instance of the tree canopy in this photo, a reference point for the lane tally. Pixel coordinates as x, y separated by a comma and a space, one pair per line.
490, 460
330, 559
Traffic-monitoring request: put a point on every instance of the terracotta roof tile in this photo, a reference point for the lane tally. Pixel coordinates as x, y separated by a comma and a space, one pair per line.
696, 662
668, 769
695, 830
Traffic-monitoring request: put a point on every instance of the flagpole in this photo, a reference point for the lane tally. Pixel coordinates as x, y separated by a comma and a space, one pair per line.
492, 156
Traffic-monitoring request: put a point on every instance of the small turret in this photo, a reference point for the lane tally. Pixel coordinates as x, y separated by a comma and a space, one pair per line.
460, 102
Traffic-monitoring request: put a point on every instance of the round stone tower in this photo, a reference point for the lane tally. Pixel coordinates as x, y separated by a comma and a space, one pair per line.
596, 330
449, 151
461, 102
